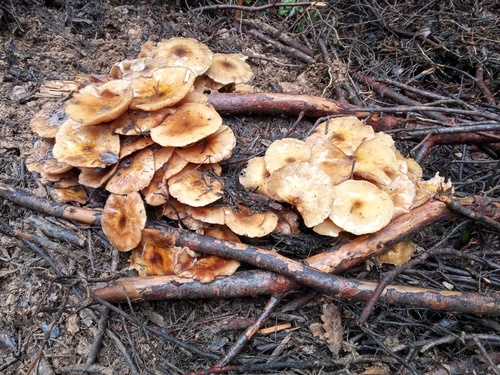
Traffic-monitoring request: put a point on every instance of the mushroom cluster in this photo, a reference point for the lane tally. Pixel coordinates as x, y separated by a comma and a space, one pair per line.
146, 134
344, 177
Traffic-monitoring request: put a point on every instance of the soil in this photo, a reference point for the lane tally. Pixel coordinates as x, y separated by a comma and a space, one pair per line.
439, 47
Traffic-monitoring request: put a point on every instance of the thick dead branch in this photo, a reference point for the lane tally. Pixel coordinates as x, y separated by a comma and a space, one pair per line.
316, 107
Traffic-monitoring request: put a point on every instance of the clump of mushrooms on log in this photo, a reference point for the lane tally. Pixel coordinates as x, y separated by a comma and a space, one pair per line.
149, 135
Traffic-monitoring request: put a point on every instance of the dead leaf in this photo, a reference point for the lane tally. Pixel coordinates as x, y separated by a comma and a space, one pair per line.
331, 328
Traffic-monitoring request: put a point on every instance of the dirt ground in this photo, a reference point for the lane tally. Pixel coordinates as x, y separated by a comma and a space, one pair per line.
446, 48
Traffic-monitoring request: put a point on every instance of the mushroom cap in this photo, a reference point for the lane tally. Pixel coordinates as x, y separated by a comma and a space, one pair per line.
347, 133
86, 146
173, 166
156, 193
207, 214
305, 186
134, 173
288, 222
328, 228
398, 254
230, 68
93, 105
73, 194
162, 155
360, 207
222, 232
212, 149
190, 123
47, 121
41, 160
284, 151
211, 267
436, 184
246, 222
134, 122
134, 143
146, 49
332, 160
402, 191
195, 186
165, 88
96, 177
186, 52
373, 160
255, 175
123, 219
154, 255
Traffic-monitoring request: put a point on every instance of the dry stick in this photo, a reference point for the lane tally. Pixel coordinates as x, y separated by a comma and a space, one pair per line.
479, 80
337, 261
278, 34
486, 356
386, 92
316, 107
281, 47
258, 8
249, 333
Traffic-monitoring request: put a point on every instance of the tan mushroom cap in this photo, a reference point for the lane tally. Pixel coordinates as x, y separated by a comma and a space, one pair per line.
186, 52
47, 121
288, 222
212, 149
230, 68
347, 133
96, 177
207, 214
399, 254
194, 97
123, 219
121, 68
138, 122
284, 151
146, 49
328, 228
165, 88
196, 186
162, 155
190, 123
222, 232
175, 210
211, 267
436, 184
156, 193
86, 146
255, 175
131, 144
154, 256
93, 105
72, 194
306, 187
402, 191
173, 166
206, 85
134, 173
246, 222
41, 160
360, 207
374, 160
331, 160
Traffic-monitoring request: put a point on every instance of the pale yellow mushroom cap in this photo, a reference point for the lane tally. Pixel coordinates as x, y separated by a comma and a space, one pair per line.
360, 207
246, 222
374, 160
306, 187
284, 151
230, 68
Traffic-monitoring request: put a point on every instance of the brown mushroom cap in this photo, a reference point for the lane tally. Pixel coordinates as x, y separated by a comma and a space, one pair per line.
162, 155
129, 145
347, 133
284, 151
156, 193
123, 219
207, 214
374, 160
96, 177
306, 187
186, 52
195, 186
93, 105
398, 254
246, 222
360, 207
47, 121
212, 149
222, 232
134, 173
211, 267
86, 146
165, 88
154, 256
190, 123
73, 194
138, 122
230, 68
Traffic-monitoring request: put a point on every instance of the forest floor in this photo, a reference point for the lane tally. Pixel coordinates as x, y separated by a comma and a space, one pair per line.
449, 50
